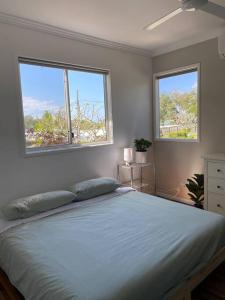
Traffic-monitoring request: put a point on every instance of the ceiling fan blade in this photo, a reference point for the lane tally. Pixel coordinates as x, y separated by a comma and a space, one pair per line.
164, 19
214, 9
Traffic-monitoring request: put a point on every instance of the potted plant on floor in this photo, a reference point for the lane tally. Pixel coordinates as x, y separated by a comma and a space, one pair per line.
142, 147
195, 186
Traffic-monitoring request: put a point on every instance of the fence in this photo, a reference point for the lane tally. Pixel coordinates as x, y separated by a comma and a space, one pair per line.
167, 129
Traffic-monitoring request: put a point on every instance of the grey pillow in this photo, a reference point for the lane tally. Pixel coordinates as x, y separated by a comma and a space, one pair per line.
31, 205
94, 187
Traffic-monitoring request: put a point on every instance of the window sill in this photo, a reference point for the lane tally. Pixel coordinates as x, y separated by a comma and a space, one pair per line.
177, 140
31, 152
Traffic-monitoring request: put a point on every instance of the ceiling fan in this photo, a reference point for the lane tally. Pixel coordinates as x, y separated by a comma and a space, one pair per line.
191, 5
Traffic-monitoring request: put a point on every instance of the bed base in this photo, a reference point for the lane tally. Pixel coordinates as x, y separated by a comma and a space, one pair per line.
184, 292
9, 292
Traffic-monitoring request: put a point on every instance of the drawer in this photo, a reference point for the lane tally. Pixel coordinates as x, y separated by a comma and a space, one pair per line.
216, 203
216, 169
216, 185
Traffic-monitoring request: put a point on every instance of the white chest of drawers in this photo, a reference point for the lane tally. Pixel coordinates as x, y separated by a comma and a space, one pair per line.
215, 183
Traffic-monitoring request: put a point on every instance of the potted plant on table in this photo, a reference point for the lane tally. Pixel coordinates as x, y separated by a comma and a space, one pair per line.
195, 186
142, 147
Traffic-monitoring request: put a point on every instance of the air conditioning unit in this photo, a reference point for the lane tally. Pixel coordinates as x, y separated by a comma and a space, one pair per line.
221, 45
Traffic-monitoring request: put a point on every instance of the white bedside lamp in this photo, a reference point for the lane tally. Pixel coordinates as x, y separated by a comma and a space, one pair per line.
128, 156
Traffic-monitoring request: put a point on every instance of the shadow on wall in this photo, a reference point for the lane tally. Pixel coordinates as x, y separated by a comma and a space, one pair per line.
173, 186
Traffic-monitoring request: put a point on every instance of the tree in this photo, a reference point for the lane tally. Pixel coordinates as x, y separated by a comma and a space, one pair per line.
88, 121
29, 122
51, 128
186, 104
179, 108
88, 124
167, 109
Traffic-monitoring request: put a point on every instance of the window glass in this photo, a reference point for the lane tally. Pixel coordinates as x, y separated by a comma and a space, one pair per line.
43, 106
87, 102
178, 106
64, 105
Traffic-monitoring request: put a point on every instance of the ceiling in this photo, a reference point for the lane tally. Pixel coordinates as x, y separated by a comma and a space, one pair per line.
121, 21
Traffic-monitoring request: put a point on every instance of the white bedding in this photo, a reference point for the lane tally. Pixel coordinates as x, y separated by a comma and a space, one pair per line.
129, 247
6, 224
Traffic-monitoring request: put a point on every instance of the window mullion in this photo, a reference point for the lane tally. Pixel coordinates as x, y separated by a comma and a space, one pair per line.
68, 111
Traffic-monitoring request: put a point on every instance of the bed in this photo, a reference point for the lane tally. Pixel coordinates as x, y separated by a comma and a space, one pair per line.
117, 246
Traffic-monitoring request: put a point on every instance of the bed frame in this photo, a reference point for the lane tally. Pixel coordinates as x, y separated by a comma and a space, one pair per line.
9, 292
184, 292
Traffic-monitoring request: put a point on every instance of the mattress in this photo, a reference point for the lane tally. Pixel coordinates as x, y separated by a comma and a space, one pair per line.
132, 246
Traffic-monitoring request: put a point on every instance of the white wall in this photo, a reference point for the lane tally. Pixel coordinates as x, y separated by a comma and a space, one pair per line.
176, 161
131, 104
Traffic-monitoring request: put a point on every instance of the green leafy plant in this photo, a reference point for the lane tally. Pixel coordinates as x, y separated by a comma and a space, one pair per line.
142, 145
195, 186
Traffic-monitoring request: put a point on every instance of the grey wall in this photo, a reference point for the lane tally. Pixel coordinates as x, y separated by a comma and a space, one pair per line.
175, 161
131, 105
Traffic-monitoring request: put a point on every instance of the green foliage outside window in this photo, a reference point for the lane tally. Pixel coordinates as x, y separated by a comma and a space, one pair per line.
179, 115
51, 128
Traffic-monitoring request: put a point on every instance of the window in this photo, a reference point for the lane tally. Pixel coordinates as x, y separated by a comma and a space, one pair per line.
64, 105
176, 104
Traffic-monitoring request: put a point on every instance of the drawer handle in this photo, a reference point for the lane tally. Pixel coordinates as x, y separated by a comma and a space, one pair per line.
218, 186
218, 205
218, 170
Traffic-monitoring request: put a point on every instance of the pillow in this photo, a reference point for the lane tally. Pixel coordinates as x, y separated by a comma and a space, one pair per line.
94, 187
31, 205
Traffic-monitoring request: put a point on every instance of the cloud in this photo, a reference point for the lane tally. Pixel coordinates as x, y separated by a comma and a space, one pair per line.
195, 86
36, 107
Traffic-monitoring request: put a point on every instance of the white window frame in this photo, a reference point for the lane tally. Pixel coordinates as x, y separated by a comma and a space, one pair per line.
36, 151
156, 102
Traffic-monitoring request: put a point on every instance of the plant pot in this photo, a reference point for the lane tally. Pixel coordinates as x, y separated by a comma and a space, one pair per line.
141, 157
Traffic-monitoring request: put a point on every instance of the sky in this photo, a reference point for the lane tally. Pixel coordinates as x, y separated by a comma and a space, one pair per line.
43, 89
181, 83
